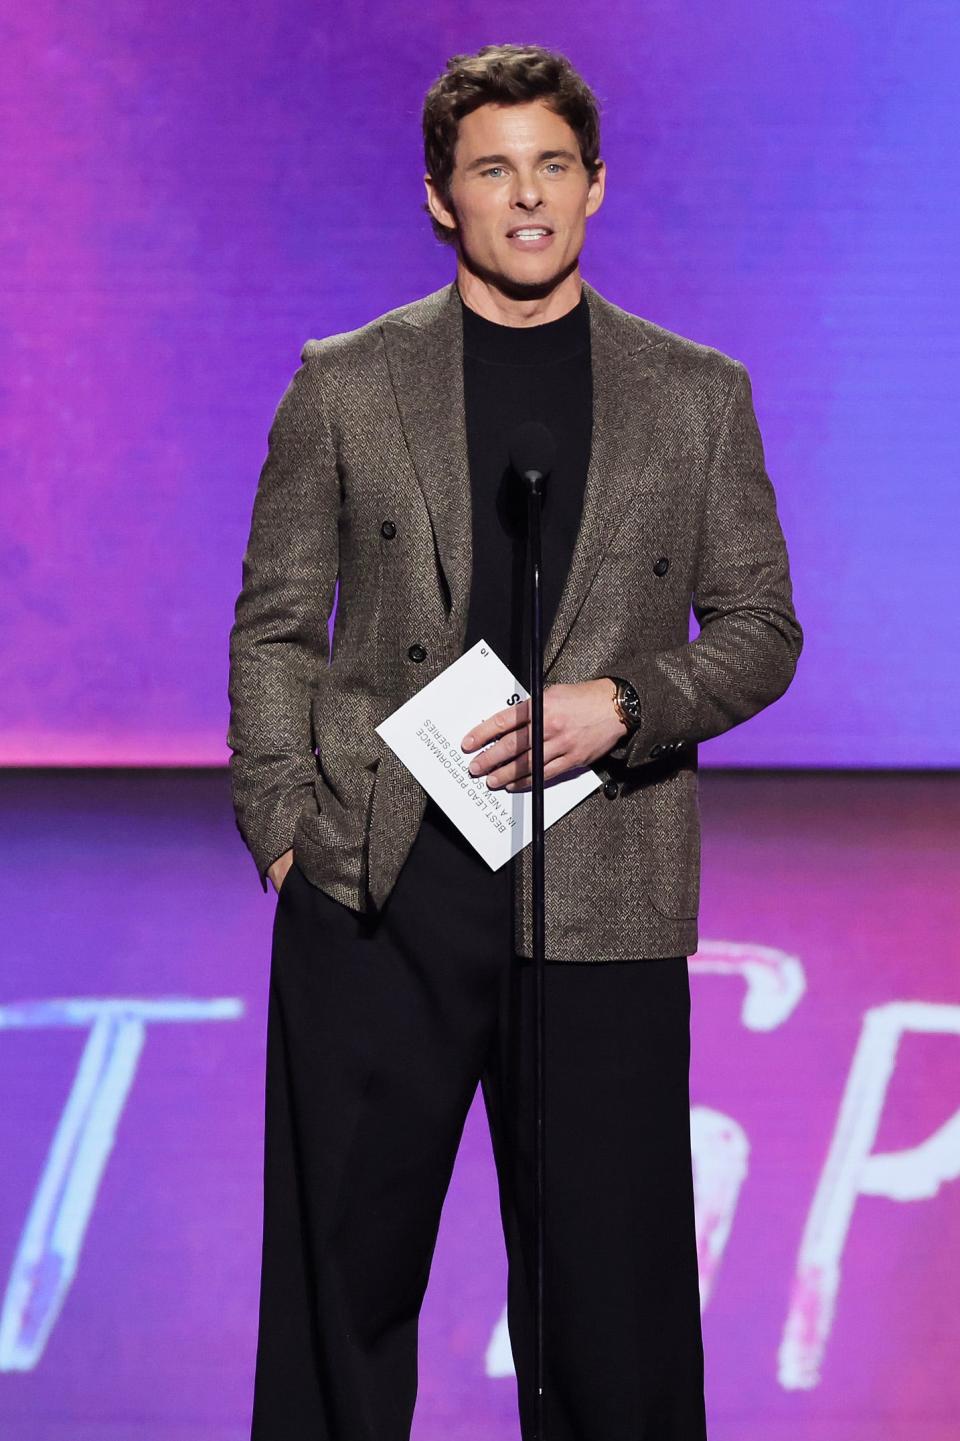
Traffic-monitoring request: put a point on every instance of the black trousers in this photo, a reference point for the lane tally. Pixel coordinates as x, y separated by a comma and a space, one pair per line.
379, 1030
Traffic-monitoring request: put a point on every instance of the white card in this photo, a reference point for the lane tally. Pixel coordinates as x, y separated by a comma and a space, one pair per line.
425, 732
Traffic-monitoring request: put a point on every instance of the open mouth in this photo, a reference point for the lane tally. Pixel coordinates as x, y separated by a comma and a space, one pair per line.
531, 237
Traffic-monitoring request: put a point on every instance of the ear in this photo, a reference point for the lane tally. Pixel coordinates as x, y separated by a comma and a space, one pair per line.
596, 189
437, 208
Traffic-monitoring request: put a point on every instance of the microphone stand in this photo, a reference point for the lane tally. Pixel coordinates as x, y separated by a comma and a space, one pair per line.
534, 480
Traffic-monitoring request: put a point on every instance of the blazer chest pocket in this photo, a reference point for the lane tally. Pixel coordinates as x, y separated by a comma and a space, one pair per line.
671, 843
658, 528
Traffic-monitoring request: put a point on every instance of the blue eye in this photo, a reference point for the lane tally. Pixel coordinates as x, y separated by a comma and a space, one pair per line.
556, 164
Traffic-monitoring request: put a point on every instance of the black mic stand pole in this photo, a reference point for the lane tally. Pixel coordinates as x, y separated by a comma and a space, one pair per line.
534, 482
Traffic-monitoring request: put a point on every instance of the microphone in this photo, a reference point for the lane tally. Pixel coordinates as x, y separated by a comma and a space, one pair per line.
533, 451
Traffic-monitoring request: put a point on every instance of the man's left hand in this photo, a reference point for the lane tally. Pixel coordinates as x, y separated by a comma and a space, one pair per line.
580, 724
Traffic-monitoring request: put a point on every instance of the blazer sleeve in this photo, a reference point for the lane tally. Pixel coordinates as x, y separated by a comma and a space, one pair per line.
279, 646
746, 653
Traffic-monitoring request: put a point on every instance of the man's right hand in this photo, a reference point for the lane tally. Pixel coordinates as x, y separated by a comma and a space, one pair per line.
279, 869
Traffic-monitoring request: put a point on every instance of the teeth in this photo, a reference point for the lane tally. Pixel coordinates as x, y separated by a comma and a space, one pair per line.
529, 234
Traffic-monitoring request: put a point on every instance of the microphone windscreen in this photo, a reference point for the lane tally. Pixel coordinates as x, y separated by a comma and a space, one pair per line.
532, 447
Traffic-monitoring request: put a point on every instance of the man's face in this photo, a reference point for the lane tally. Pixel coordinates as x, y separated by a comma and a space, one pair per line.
518, 168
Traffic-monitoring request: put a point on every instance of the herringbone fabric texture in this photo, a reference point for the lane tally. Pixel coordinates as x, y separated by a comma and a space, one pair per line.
678, 510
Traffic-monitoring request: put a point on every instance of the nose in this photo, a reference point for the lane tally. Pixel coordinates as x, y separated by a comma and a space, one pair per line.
527, 192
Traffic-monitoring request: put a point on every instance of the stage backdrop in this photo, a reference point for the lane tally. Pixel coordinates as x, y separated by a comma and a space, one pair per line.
189, 192
825, 1090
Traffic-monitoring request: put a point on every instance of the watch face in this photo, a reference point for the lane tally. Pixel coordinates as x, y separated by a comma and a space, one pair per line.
630, 701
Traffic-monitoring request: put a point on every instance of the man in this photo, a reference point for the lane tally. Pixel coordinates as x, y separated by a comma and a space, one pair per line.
401, 971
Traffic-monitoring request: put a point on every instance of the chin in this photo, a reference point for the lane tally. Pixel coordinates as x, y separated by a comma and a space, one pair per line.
523, 277
532, 275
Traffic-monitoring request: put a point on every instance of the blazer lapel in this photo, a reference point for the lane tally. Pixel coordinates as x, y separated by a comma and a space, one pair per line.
425, 356
624, 358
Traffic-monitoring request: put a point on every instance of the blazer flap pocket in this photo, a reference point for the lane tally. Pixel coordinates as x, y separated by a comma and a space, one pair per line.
671, 842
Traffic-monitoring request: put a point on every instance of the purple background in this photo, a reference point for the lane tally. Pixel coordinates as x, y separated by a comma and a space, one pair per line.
187, 194
190, 192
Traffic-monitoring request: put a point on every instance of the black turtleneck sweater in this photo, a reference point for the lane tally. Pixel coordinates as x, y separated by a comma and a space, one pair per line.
513, 374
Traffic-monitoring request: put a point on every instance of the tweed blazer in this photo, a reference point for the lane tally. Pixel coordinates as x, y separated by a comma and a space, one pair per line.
364, 498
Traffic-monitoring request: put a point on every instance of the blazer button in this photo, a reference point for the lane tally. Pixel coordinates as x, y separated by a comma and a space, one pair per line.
388, 530
611, 790
417, 652
661, 566
657, 751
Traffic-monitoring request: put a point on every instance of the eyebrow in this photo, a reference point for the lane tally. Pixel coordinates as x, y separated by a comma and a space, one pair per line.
505, 159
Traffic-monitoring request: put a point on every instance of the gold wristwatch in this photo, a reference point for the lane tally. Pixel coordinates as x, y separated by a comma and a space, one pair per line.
626, 702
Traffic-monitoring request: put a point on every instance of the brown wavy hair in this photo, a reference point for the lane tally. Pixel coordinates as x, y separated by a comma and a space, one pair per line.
502, 75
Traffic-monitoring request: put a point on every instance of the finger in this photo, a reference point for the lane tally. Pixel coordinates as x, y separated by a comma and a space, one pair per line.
500, 723
517, 770
523, 765
506, 749
551, 770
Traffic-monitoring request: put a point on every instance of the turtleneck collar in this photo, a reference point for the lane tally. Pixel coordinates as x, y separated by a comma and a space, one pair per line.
497, 344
